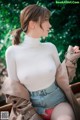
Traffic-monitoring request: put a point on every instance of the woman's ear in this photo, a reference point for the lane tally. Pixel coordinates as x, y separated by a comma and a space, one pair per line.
32, 24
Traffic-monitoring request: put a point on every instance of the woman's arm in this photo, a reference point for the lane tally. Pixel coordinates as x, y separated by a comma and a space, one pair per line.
11, 63
70, 60
56, 56
54, 53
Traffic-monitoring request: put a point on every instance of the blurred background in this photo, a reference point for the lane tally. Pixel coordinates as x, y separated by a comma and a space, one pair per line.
65, 31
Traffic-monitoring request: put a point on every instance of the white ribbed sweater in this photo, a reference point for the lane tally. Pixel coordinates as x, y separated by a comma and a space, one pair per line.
33, 63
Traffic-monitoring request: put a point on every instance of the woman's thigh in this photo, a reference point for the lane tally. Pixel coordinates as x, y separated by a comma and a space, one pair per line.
63, 111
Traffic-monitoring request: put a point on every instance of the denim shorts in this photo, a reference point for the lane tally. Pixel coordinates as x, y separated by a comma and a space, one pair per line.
47, 98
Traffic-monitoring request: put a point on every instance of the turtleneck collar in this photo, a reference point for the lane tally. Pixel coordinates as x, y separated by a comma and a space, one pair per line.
31, 42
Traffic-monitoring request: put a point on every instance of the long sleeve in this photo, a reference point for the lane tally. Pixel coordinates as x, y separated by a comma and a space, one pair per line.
55, 54
56, 57
11, 64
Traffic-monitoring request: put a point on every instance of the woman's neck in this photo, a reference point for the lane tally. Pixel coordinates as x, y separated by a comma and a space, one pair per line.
33, 35
30, 41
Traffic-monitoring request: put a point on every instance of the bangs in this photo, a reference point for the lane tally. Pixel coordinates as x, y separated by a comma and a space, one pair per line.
45, 15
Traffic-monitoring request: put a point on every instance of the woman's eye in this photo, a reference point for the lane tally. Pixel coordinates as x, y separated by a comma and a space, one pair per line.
46, 19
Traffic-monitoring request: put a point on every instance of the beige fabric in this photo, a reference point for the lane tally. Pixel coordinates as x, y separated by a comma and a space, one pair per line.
12, 87
22, 109
71, 55
71, 62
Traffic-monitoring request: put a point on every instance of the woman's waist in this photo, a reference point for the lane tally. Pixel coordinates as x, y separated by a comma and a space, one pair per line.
37, 85
53, 88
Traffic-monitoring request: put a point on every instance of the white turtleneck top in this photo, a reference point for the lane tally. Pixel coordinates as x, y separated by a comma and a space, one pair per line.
33, 63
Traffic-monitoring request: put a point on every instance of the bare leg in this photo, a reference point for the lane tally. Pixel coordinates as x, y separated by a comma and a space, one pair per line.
63, 111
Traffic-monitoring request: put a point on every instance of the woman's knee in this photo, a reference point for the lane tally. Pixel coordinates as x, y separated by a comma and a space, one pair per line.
63, 111
64, 117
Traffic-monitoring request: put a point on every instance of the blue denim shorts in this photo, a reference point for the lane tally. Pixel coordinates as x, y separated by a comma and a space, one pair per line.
47, 98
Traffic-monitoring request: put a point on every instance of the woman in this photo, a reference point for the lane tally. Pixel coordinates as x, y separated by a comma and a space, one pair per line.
35, 64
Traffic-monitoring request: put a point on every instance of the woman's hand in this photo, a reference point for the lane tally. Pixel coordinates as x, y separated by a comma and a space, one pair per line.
73, 53
76, 49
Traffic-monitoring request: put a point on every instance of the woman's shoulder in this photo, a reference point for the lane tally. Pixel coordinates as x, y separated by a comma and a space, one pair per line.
50, 45
10, 50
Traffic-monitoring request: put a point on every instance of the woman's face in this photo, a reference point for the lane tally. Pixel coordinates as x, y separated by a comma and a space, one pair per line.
35, 30
42, 32
46, 27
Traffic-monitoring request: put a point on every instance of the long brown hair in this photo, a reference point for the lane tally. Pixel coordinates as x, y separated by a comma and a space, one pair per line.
31, 12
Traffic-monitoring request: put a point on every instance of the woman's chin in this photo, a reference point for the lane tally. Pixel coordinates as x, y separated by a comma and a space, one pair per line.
45, 35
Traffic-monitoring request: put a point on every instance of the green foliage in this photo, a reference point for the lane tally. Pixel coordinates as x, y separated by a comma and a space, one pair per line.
65, 21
